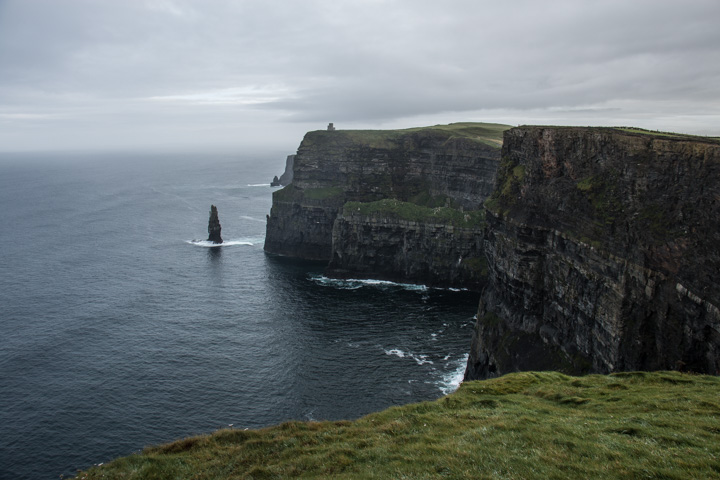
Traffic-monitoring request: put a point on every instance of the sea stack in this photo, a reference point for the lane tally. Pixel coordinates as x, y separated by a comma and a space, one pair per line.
214, 226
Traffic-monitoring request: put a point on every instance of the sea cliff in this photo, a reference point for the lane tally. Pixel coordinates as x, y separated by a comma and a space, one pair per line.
596, 249
602, 252
437, 179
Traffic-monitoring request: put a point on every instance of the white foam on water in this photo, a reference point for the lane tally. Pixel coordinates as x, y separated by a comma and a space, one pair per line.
258, 184
395, 351
419, 359
452, 380
226, 243
245, 217
355, 283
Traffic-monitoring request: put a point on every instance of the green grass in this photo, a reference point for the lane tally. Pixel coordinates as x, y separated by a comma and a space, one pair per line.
520, 426
637, 131
487, 133
392, 208
291, 194
671, 135
323, 193
655, 133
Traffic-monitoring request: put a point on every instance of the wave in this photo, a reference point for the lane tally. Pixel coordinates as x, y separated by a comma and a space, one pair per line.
226, 243
259, 184
355, 283
419, 359
452, 380
245, 217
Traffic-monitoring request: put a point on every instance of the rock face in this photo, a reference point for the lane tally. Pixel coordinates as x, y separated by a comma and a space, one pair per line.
596, 249
436, 175
287, 175
214, 226
428, 250
603, 252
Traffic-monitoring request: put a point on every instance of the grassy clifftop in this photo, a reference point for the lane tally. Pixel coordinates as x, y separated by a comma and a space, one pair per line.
523, 425
487, 133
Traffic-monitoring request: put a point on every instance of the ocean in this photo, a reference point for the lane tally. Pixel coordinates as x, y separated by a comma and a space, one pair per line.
120, 328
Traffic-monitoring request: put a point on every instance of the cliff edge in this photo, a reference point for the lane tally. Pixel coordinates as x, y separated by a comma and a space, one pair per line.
602, 252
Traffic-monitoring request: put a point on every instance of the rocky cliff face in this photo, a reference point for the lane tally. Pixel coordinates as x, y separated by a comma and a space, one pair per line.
287, 176
603, 254
445, 167
430, 249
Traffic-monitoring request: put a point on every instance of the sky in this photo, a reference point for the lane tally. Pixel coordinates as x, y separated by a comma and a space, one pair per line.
228, 75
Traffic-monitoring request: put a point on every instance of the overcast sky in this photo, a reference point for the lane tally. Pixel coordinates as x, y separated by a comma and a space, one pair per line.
258, 74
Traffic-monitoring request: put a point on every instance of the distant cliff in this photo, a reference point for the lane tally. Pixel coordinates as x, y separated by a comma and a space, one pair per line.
603, 252
436, 176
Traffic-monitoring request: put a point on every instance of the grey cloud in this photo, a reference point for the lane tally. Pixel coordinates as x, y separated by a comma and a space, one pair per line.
364, 62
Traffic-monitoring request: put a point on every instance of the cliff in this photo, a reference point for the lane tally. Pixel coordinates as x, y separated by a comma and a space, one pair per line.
596, 248
287, 176
448, 168
602, 252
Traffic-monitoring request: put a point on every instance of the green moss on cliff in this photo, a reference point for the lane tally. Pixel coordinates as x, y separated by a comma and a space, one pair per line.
323, 193
292, 194
477, 264
603, 193
510, 177
391, 208
524, 425
661, 222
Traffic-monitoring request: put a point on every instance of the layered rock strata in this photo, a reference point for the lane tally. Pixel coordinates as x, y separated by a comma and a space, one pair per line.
427, 169
431, 250
603, 252
287, 176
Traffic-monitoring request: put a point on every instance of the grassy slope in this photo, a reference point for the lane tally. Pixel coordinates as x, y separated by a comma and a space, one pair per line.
639, 131
487, 133
523, 425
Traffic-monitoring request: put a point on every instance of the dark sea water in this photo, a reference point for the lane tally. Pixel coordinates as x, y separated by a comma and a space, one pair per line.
118, 332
